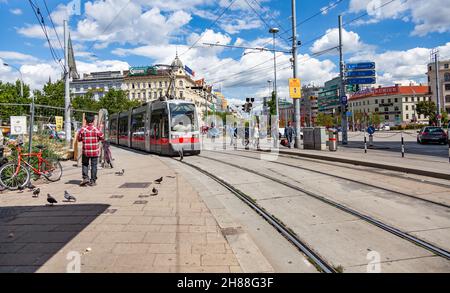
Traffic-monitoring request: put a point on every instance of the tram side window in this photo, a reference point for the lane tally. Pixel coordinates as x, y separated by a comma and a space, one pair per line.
137, 124
113, 127
159, 124
154, 124
123, 126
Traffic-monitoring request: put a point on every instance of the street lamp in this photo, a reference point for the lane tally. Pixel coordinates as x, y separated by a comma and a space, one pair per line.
21, 78
274, 31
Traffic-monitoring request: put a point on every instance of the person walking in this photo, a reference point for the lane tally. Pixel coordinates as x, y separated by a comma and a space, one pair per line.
289, 133
256, 136
91, 137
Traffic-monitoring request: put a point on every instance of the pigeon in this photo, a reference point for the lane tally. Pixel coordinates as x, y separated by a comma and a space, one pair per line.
120, 173
51, 199
68, 196
155, 191
159, 180
36, 192
21, 188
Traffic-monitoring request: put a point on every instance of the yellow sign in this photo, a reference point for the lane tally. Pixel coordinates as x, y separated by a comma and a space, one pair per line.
295, 90
59, 123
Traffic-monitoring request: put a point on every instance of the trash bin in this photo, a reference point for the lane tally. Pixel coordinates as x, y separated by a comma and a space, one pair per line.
332, 140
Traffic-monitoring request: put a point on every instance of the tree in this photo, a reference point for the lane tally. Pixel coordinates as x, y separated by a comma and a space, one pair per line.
53, 94
272, 104
444, 118
428, 109
10, 93
376, 119
324, 120
117, 101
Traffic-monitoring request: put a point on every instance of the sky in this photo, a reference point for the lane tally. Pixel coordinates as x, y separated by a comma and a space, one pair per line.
115, 34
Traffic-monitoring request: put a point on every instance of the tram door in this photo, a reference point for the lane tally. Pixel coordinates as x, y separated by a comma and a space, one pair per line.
155, 131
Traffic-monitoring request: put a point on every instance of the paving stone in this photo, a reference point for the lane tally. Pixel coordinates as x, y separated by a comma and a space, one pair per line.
130, 248
117, 237
159, 237
219, 259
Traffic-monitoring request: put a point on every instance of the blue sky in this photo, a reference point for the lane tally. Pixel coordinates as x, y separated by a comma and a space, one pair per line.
115, 34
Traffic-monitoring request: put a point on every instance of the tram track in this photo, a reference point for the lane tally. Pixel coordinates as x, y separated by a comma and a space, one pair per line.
312, 256
348, 179
388, 228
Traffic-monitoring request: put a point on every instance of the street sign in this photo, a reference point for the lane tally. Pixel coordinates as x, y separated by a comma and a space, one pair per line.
370, 130
362, 65
362, 73
18, 125
367, 80
295, 90
349, 114
59, 123
344, 100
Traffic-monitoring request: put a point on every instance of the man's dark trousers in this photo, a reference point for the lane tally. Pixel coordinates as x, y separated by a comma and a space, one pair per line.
85, 169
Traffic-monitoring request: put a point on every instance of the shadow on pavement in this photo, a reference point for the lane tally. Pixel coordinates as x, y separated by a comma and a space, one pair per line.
73, 182
31, 235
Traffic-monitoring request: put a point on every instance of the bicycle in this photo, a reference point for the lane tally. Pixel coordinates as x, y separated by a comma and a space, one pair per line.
16, 174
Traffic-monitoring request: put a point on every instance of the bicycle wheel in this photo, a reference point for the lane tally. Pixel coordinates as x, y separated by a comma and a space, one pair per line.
11, 178
51, 169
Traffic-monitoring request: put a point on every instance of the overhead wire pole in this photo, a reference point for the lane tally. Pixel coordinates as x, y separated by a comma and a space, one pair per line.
294, 68
67, 120
342, 86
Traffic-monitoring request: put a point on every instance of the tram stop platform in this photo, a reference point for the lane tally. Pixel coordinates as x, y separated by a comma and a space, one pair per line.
120, 225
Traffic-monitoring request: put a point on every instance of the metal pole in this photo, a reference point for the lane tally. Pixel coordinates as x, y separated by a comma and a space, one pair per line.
275, 85
353, 118
365, 142
438, 103
67, 124
30, 136
297, 116
403, 146
342, 91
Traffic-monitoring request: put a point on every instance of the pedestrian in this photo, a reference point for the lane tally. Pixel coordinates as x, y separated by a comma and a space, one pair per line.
256, 136
91, 137
289, 133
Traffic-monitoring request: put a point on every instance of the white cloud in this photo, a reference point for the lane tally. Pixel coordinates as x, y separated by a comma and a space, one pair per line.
9, 56
428, 16
16, 11
402, 66
351, 42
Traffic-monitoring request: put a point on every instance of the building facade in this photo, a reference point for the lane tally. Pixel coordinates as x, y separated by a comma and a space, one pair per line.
97, 83
328, 98
395, 105
444, 83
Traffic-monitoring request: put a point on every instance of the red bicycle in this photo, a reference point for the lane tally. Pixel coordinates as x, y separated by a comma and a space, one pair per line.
16, 174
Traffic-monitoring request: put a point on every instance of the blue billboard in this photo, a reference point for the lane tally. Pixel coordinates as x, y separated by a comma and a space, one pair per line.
360, 73
367, 80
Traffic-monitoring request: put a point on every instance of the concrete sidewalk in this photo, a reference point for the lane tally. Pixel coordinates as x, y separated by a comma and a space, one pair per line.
117, 226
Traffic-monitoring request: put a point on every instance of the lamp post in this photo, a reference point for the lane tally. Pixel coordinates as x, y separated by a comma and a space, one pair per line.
21, 77
274, 31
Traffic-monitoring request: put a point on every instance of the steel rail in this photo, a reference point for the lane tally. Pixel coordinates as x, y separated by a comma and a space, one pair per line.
349, 179
422, 243
313, 256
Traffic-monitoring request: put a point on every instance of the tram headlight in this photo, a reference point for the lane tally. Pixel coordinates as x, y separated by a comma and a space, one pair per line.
174, 136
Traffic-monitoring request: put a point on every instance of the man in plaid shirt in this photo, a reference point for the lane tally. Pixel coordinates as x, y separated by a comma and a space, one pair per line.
91, 137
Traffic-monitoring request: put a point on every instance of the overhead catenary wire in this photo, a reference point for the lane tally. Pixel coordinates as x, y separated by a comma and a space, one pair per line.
209, 27
53, 25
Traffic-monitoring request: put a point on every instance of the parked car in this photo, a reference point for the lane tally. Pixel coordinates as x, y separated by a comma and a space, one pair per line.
432, 134
385, 127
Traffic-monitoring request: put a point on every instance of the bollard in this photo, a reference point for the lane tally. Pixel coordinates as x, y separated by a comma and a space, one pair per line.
365, 143
403, 146
370, 140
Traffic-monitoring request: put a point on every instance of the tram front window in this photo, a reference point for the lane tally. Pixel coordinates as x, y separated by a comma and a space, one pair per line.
183, 117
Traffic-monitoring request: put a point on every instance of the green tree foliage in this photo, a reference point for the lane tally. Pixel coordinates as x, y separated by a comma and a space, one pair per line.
375, 119
272, 104
428, 109
52, 94
10, 93
324, 120
116, 101
444, 119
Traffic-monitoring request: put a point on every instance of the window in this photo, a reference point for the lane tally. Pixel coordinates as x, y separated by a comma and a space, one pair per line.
447, 86
181, 95
376, 109
406, 107
132, 85
386, 117
382, 101
396, 100
165, 83
412, 99
364, 103
160, 84
407, 116
139, 95
155, 95
133, 95
389, 100
396, 108
149, 85
413, 107
447, 76
376, 101
406, 99
447, 99
446, 65
386, 109
180, 83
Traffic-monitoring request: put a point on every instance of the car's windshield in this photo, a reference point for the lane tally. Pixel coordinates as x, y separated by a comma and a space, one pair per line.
433, 130
183, 117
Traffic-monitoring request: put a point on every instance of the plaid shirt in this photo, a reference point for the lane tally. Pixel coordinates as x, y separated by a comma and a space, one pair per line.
91, 137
